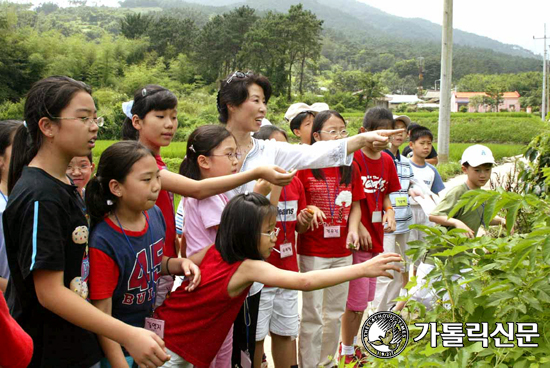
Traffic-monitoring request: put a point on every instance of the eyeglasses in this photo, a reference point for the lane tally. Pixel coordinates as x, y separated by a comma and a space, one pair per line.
238, 74
334, 133
84, 167
86, 120
272, 234
232, 155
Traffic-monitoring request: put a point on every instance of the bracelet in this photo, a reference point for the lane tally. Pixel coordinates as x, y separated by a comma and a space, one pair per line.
390, 208
168, 268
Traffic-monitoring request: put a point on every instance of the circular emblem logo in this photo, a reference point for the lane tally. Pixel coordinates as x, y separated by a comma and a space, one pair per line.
385, 335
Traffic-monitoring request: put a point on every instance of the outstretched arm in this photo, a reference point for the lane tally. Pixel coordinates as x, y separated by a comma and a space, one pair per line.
184, 186
360, 140
258, 271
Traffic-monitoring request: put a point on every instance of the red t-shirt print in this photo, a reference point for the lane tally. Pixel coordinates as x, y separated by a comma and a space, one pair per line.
335, 206
379, 178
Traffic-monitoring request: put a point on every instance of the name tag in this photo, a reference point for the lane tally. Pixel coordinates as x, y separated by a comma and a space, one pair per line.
331, 231
376, 217
245, 360
401, 201
286, 250
155, 325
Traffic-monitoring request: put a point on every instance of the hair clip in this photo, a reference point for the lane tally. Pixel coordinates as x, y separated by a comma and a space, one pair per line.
25, 124
109, 202
192, 148
144, 92
127, 108
246, 193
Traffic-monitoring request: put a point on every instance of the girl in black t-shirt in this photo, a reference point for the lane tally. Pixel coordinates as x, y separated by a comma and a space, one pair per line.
46, 235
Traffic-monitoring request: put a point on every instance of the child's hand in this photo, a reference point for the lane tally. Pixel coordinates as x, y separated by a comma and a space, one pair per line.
461, 225
352, 240
191, 272
305, 217
365, 240
262, 187
276, 175
381, 135
146, 348
381, 264
389, 218
318, 216
413, 192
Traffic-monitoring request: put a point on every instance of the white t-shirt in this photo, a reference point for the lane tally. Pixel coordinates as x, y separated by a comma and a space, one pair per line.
429, 175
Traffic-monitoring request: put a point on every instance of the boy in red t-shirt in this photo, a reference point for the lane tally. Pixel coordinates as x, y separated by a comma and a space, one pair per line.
379, 178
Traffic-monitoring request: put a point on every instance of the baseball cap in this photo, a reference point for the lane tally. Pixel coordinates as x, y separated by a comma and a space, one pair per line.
477, 155
403, 118
300, 107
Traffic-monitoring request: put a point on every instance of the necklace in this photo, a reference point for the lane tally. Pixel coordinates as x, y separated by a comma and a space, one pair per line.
245, 150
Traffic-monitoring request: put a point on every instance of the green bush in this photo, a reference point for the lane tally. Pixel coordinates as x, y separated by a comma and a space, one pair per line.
503, 279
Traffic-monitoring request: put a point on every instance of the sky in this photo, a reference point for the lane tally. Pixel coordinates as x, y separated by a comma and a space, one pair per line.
507, 21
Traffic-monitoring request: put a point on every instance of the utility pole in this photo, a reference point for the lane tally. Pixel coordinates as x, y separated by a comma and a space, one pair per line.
444, 130
543, 111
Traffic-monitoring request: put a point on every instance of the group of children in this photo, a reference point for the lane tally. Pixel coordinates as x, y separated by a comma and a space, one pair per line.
91, 258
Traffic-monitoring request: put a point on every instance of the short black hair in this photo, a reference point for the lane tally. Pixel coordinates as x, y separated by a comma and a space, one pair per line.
296, 123
236, 92
378, 117
412, 126
419, 132
466, 164
266, 131
240, 228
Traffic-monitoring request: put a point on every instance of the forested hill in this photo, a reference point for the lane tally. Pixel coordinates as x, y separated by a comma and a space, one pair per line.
358, 21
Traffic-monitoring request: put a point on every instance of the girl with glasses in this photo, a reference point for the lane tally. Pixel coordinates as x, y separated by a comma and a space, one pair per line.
80, 170
211, 152
197, 323
336, 191
46, 233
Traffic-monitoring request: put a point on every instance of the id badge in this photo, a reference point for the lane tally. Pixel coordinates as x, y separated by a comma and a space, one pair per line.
376, 217
331, 231
401, 201
245, 360
155, 325
286, 250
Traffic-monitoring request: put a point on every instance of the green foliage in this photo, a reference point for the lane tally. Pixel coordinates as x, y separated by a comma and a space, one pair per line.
533, 174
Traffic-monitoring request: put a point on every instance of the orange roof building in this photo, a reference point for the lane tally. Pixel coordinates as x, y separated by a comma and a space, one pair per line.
510, 102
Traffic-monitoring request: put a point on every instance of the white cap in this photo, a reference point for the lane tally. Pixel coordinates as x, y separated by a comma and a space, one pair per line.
477, 155
300, 107
265, 122
403, 118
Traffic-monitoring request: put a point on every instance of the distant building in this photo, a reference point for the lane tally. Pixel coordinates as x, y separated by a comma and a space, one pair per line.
396, 100
510, 101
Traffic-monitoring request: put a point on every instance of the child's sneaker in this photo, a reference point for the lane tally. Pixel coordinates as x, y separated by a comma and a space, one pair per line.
356, 358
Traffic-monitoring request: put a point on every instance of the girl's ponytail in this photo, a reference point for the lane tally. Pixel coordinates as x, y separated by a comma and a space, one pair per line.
99, 201
201, 142
148, 98
23, 150
46, 99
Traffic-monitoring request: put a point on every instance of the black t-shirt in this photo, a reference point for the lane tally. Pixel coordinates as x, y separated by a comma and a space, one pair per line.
45, 228
407, 152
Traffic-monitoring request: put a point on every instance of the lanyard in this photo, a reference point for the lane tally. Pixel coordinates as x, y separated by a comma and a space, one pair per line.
151, 282
379, 190
336, 192
283, 223
247, 320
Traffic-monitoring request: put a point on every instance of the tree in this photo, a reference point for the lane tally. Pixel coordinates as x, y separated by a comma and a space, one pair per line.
494, 96
477, 101
134, 26
371, 88
171, 36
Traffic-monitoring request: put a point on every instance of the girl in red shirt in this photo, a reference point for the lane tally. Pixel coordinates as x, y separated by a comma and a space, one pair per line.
337, 192
196, 323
